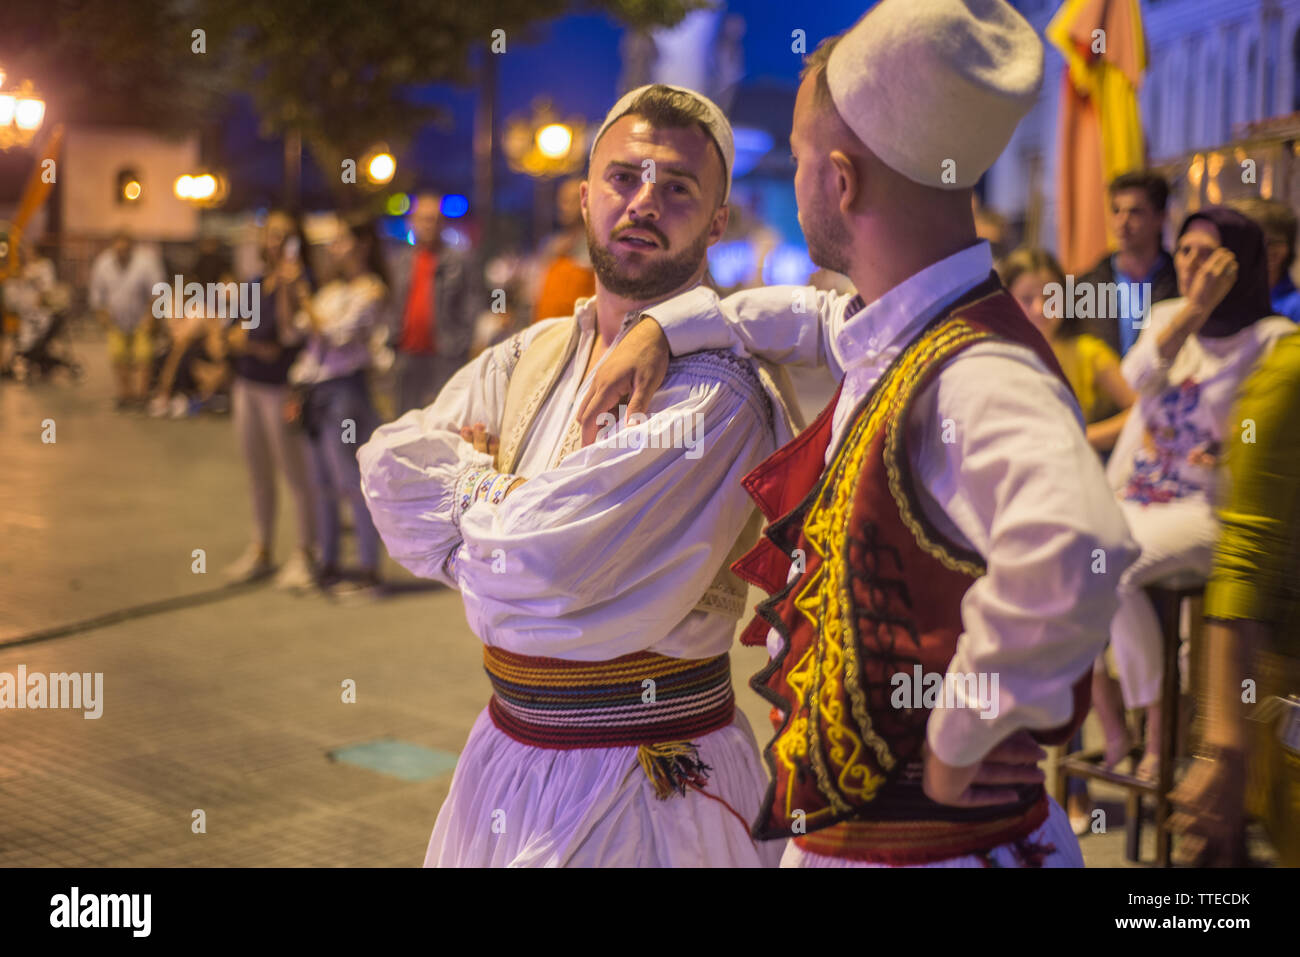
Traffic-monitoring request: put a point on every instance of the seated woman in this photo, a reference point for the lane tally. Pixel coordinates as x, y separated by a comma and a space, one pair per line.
195, 368
1186, 366
1089, 363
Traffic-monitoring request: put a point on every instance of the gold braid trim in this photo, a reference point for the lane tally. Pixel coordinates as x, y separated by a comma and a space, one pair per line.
946, 340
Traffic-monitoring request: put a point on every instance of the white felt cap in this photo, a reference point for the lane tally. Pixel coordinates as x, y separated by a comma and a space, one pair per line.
718, 126
922, 82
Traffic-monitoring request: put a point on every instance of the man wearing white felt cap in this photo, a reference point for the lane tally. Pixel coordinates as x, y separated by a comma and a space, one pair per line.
943, 550
597, 578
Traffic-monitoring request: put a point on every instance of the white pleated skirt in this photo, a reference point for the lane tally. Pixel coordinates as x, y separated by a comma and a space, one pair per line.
514, 805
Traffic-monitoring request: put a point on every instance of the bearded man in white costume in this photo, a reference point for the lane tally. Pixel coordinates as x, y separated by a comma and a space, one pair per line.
598, 578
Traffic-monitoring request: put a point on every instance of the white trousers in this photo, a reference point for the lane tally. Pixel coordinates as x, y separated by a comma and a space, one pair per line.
1176, 536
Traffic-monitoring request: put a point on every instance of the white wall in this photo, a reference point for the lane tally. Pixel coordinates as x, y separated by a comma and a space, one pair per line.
88, 172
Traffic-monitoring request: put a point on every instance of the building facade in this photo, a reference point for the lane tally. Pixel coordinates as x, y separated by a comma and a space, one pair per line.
1215, 67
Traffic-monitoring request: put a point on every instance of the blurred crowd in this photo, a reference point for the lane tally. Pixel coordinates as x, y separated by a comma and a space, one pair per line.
317, 345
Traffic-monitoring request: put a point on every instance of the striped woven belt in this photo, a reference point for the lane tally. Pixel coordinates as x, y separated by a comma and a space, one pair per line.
643, 700
638, 699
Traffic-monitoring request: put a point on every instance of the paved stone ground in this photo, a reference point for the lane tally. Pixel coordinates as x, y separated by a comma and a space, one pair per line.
224, 700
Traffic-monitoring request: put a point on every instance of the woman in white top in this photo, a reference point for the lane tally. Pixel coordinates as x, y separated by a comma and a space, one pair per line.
336, 409
1186, 368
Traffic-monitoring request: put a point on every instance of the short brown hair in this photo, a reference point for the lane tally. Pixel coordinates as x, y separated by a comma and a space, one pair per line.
814, 64
1150, 182
665, 108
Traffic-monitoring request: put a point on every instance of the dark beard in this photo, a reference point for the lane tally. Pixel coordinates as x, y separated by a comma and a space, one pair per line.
662, 277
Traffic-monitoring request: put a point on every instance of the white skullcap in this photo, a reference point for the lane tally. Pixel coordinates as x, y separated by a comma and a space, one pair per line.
925, 81
718, 126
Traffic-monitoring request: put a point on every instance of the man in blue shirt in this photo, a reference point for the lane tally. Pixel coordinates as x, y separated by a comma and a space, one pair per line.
1137, 207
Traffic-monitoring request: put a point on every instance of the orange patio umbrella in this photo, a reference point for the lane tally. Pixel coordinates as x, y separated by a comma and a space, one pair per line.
1101, 129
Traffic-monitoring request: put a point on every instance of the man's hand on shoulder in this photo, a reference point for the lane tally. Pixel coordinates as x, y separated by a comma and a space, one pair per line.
635, 367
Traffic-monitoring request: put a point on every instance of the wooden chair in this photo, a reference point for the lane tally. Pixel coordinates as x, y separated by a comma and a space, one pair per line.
1167, 595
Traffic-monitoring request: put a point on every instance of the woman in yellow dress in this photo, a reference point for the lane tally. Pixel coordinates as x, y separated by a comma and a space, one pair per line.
1089, 363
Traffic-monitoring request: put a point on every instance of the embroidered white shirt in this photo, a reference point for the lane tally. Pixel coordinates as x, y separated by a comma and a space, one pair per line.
603, 554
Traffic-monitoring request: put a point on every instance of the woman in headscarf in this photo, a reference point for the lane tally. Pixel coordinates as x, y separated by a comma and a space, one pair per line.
1186, 367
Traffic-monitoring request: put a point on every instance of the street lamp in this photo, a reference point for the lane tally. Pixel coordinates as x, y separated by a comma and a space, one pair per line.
542, 144
201, 189
381, 168
554, 140
22, 111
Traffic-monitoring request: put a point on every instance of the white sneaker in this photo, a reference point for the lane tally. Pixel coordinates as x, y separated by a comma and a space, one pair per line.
158, 407
251, 565
180, 407
297, 574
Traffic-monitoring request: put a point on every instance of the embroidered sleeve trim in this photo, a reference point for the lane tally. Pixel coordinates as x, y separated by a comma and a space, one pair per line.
717, 366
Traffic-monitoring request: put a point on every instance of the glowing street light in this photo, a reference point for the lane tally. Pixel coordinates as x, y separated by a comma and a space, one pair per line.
203, 189
22, 112
381, 168
554, 140
29, 113
131, 191
542, 144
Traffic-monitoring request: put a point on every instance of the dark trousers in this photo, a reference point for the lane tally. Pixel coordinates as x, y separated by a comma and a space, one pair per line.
339, 418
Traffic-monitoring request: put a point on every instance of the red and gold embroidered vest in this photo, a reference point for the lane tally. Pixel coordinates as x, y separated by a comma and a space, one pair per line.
879, 595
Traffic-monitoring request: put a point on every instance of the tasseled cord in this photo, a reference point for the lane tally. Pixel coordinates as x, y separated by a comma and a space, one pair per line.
674, 766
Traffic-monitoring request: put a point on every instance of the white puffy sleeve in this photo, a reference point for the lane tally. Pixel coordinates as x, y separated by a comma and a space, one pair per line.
781, 324
411, 466
1016, 477
606, 553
